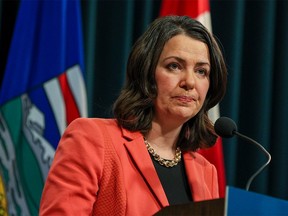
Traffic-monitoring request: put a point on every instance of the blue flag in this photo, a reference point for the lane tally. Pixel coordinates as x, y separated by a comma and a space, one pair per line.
43, 90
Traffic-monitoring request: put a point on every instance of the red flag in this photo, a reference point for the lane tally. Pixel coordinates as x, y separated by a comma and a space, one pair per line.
200, 10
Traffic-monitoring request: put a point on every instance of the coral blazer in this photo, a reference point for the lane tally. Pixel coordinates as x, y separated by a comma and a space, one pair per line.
100, 168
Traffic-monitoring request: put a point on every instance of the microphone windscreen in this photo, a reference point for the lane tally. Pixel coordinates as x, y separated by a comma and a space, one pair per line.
225, 127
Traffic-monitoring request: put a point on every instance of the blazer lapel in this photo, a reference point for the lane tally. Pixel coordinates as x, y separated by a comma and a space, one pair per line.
195, 175
139, 154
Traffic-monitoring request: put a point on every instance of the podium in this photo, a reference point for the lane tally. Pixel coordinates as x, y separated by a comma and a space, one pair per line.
236, 202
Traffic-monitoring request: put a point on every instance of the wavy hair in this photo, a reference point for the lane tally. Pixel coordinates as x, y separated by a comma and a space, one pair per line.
134, 108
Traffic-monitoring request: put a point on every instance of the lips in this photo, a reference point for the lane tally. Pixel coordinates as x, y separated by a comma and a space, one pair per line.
184, 98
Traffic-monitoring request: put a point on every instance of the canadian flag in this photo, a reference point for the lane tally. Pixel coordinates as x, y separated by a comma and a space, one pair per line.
200, 10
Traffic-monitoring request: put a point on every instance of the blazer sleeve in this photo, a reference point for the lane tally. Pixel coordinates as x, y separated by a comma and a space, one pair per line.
73, 180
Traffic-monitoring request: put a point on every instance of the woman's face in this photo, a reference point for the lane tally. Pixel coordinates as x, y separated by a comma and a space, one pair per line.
182, 77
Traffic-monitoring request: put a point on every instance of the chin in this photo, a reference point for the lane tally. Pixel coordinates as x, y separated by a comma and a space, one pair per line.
184, 118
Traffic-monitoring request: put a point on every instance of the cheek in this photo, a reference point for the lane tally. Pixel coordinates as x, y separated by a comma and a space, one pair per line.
165, 84
203, 89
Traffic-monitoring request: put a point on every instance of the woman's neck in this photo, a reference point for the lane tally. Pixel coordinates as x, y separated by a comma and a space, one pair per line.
163, 139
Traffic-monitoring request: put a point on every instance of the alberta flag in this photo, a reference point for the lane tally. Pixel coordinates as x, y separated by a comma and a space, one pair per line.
43, 90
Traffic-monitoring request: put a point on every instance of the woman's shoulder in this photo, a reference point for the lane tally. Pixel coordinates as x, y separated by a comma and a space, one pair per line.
198, 158
94, 122
93, 126
105, 126
87, 119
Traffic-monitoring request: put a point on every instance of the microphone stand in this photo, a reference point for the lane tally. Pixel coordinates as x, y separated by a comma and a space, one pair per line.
263, 149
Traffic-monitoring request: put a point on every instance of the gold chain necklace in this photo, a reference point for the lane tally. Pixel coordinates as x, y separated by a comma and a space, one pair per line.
162, 161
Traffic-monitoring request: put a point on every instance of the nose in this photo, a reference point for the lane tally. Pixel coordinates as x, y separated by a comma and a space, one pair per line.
188, 81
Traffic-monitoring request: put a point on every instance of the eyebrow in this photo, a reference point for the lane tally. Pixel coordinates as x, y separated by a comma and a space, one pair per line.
201, 63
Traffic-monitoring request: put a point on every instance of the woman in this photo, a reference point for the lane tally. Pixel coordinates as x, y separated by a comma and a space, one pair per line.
145, 158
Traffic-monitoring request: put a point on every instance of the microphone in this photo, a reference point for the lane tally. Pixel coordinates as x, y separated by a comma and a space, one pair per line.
226, 127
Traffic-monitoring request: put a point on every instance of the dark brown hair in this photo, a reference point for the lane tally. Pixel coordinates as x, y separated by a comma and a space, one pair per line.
134, 107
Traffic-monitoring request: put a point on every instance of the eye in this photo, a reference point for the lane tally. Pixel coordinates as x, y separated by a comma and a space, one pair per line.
203, 72
173, 66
